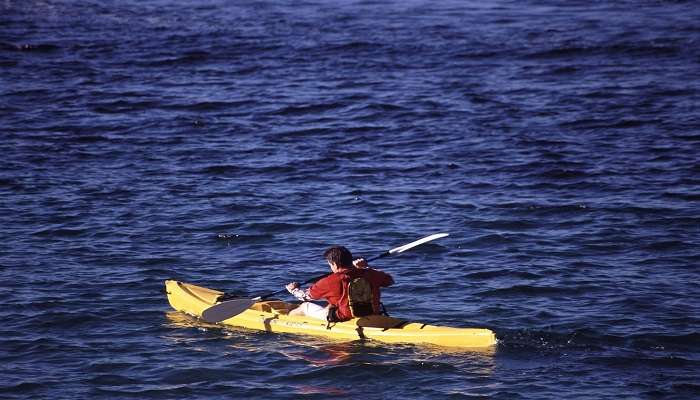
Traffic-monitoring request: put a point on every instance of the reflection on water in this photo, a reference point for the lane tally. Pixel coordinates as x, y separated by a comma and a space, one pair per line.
324, 355
177, 319
308, 389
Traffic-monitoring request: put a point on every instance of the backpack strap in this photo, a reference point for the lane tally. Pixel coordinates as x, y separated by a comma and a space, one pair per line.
383, 309
332, 317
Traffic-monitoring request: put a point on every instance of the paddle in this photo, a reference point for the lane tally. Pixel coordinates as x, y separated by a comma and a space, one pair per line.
231, 308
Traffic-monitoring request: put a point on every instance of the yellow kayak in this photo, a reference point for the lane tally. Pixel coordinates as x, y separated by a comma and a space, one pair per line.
271, 316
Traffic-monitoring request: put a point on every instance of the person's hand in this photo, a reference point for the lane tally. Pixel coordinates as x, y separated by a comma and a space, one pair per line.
360, 263
291, 286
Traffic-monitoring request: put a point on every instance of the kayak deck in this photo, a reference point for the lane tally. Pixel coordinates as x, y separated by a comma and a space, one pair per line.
271, 316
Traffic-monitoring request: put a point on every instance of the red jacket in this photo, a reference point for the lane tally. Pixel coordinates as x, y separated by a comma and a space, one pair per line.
334, 288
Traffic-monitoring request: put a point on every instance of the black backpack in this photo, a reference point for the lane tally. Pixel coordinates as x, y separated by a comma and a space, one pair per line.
360, 297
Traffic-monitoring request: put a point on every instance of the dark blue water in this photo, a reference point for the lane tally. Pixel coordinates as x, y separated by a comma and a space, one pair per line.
229, 143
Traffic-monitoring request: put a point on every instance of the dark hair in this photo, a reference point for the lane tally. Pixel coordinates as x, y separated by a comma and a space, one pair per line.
340, 256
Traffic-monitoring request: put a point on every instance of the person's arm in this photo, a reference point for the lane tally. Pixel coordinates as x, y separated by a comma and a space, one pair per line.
298, 292
318, 290
386, 279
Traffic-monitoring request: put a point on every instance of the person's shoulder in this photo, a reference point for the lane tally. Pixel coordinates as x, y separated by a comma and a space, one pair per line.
336, 276
325, 280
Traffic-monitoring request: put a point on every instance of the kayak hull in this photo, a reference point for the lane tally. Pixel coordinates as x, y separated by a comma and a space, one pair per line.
271, 316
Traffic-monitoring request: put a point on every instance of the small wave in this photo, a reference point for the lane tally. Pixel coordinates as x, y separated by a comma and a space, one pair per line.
666, 245
477, 55
110, 379
541, 208
487, 275
275, 227
636, 210
123, 106
634, 123
502, 224
226, 169
622, 361
692, 197
681, 343
562, 174
196, 55
295, 134
12, 184
595, 94
185, 59
212, 105
87, 139
463, 205
692, 389
248, 70
365, 129
565, 70
677, 92
23, 388
38, 48
308, 109
559, 52
230, 237
572, 50
194, 374
533, 340
209, 105
529, 290
385, 107
59, 232
62, 320
491, 239
589, 123
154, 261
352, 46
593, 338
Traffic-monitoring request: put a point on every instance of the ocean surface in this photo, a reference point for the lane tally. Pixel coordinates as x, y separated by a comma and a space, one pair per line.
229, 143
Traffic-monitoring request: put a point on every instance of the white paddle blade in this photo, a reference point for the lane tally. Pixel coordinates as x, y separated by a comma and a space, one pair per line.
418, 242
225, 310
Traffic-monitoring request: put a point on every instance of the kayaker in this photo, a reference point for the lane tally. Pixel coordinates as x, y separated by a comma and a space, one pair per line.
347, 295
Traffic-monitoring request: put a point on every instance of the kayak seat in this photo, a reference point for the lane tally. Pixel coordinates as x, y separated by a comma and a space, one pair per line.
272, 306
